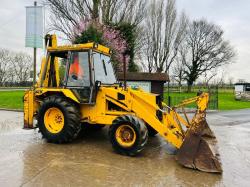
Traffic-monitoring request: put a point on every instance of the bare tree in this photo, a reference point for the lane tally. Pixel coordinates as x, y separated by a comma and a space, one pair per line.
204, 50
208, 77
130, 11
241, 81
14, 67
5, 57
178, 72
220, 81
67, 14
22, 65
149, 53
164, 34
231, 81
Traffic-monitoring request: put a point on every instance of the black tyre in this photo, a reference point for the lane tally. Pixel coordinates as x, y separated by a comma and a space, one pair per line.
151, 132
128, 135
58, 120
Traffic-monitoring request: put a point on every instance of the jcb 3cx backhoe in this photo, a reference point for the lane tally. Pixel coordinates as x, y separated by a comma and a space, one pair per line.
83, 91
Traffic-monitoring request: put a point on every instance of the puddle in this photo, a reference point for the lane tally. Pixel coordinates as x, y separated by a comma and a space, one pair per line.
28, 160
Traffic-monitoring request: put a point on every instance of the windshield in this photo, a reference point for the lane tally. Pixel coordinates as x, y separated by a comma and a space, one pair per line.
79, 70
103, 69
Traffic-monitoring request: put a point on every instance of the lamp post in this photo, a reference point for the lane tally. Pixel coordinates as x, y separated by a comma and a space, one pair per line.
34, 32
34, 65
125, 68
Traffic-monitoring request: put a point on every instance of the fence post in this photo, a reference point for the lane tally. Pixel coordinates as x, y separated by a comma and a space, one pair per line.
217, 96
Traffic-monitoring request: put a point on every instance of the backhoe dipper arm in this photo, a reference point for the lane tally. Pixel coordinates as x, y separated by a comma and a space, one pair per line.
201, 101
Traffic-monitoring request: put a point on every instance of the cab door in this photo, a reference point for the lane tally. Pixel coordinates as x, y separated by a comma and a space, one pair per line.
79, 76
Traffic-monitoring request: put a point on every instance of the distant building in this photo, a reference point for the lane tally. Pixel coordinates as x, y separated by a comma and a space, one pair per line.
242, 91
149, 82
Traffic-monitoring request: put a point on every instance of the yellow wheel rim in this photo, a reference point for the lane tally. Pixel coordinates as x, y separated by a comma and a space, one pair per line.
54, 120
125, 136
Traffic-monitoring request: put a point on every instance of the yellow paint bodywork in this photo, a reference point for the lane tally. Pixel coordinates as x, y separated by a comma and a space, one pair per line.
30, 107
79, 47
111, 101
43, 92
41, 70
135, 102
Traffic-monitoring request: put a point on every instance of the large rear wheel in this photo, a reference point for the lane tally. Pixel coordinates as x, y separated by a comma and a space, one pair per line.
128, 135
58, 120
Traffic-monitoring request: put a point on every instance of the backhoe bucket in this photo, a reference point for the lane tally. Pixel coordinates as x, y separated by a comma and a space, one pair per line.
199, 149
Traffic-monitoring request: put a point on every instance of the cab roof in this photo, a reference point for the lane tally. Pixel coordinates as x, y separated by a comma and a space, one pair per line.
78, 47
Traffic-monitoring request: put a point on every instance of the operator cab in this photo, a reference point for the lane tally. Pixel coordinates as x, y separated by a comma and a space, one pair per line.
79, 71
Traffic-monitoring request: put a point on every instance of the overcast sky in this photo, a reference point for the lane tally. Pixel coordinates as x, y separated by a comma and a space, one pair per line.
232, 15
234, 18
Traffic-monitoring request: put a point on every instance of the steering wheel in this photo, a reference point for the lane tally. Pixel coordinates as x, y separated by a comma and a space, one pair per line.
74, 77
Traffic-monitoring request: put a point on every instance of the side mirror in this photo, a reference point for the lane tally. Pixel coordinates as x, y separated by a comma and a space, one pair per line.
98, 84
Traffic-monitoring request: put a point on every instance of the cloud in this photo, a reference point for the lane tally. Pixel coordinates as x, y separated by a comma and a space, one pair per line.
233, 16
12, 25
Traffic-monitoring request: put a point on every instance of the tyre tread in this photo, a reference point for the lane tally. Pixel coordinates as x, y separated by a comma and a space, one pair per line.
142, 134
72, 121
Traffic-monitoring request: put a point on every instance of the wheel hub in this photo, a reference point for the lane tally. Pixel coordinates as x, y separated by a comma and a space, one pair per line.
54, 120
125, 135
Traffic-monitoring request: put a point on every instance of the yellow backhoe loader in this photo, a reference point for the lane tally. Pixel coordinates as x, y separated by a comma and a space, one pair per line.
77, 87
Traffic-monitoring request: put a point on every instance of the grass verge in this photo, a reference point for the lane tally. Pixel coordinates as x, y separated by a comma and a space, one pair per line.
14, 100
226, 100
11, 99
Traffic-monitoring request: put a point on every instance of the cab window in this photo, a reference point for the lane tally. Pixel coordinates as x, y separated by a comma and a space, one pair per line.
103, 69
50, 77
78, 72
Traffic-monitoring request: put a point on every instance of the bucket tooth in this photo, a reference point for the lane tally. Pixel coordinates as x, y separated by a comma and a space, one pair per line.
199, 149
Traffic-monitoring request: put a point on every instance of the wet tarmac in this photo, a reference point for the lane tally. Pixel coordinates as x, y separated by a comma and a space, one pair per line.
28, 160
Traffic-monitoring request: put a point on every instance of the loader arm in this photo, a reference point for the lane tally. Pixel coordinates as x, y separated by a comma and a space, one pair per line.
167, 128
196, 145
170, 128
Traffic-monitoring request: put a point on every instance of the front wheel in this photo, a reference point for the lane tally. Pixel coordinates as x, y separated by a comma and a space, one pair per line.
58, 120
128, 135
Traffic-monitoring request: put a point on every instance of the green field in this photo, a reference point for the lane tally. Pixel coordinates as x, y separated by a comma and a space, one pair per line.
11, 99
14, 100
226, 100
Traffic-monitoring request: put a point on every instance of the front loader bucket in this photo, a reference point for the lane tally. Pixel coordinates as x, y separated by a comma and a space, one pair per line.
199, 149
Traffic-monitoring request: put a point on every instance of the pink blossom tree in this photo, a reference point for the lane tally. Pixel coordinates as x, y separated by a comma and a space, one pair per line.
91, 31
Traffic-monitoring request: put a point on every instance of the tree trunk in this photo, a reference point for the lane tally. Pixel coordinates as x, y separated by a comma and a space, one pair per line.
159, 70
95, 13
190, 84
180, 85
189, 88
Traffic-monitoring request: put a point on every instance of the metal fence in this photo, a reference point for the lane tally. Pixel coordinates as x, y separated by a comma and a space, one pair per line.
176, 95
16, 84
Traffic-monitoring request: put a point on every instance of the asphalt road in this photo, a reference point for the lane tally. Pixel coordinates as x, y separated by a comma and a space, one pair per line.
28, 160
